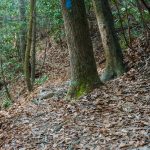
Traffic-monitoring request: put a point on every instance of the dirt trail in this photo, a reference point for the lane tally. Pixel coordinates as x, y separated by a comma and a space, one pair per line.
113, 117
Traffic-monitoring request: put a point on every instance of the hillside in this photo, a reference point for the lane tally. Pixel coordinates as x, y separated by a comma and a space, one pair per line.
113, 117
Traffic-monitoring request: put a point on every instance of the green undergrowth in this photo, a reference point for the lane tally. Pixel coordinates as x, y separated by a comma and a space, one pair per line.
41, 80
6, 103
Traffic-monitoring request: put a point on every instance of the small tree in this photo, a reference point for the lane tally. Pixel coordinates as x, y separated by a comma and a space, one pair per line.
27, 64
4, 81
33, 47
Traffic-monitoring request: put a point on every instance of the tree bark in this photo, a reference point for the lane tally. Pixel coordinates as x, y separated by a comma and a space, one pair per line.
113, 53
84, 76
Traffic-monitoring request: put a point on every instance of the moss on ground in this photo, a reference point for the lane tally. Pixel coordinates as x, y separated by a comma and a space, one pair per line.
78, 89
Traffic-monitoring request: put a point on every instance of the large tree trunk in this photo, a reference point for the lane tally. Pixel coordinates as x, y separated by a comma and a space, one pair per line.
114, 59
84, 74
22, 34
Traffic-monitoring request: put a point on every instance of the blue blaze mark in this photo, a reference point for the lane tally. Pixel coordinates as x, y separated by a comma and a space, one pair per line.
68, 4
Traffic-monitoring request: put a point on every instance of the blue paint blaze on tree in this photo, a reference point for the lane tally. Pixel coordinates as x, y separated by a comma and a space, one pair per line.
68, 4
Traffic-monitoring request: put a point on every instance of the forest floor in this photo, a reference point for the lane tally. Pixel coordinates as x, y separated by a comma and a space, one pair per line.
115, 116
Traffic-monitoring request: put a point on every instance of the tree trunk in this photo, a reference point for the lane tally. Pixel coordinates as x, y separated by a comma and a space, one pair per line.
114, 58
28, 48
84, 76
22, 36
33, 50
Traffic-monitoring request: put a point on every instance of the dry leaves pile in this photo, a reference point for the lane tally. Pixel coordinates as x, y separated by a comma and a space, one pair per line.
114, 117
